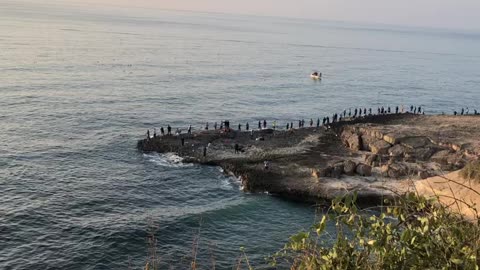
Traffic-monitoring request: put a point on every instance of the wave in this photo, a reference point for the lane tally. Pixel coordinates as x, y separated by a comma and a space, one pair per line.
170, 160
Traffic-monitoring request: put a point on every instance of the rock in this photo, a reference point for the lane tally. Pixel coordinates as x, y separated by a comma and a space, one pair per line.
441, 157
337, 170
423, 174
395, 170
366, 140
415, 142
354, 142
424, 153
380, 147
349, 167
397, 151
363, 170
391, 138
324, 172
371, 159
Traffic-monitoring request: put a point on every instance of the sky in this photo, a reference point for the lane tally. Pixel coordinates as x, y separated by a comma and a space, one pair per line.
454, 14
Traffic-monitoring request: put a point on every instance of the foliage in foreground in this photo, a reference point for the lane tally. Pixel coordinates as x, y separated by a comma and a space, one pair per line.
471, 170
411, 233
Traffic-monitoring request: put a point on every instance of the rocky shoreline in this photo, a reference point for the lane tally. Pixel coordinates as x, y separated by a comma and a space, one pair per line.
376, 156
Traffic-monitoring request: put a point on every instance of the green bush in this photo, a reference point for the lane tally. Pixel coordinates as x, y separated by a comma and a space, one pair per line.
411, 233
471, 170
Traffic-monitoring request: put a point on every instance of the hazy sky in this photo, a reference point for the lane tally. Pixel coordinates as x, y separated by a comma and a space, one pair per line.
463, 14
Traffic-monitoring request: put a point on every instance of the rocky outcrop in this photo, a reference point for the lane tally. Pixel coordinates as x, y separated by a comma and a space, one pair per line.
312, 164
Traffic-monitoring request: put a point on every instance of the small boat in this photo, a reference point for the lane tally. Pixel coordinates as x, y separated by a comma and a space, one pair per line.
316, 75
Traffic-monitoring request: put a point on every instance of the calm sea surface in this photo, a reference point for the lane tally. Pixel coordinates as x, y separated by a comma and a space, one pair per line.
79, 87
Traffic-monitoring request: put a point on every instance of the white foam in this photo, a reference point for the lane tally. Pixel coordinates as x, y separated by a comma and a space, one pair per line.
170, 160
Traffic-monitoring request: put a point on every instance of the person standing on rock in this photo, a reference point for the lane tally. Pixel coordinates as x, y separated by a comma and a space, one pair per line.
349, 112
288, 126
215, 126
162, 131
274, 124
344, 113
396, 110
299, 123
318, 122
462, 111
311, 122
291, 125
264, 123
154, 133
259, 125
411, 108
388, 110
239, 127
364, 111
355, 113
189, 131
169, 130
148, 134
237, 148
206, 126
324, 121
247, 126
419, 109
221, 125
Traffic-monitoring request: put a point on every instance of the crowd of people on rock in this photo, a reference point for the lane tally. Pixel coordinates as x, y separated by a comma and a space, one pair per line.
466, 111
345, 115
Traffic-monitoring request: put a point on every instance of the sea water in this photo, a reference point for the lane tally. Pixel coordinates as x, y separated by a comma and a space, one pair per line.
79, 87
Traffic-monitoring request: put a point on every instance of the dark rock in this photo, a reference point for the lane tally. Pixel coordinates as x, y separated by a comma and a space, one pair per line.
349, 167
424, 153
397, 151
371, 159
415, 142
441, 157
363, 170
423, 174
337, 170
366, 140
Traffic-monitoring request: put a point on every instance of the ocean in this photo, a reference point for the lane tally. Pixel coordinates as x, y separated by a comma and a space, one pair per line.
80, 86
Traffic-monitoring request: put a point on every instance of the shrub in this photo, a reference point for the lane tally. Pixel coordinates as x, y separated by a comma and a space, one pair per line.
412, 233
471, 170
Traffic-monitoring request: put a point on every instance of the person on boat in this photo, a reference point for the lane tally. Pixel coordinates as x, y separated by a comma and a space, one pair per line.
169, 130
247, 126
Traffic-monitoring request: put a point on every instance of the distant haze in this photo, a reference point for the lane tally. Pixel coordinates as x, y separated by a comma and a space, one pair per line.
461, 14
